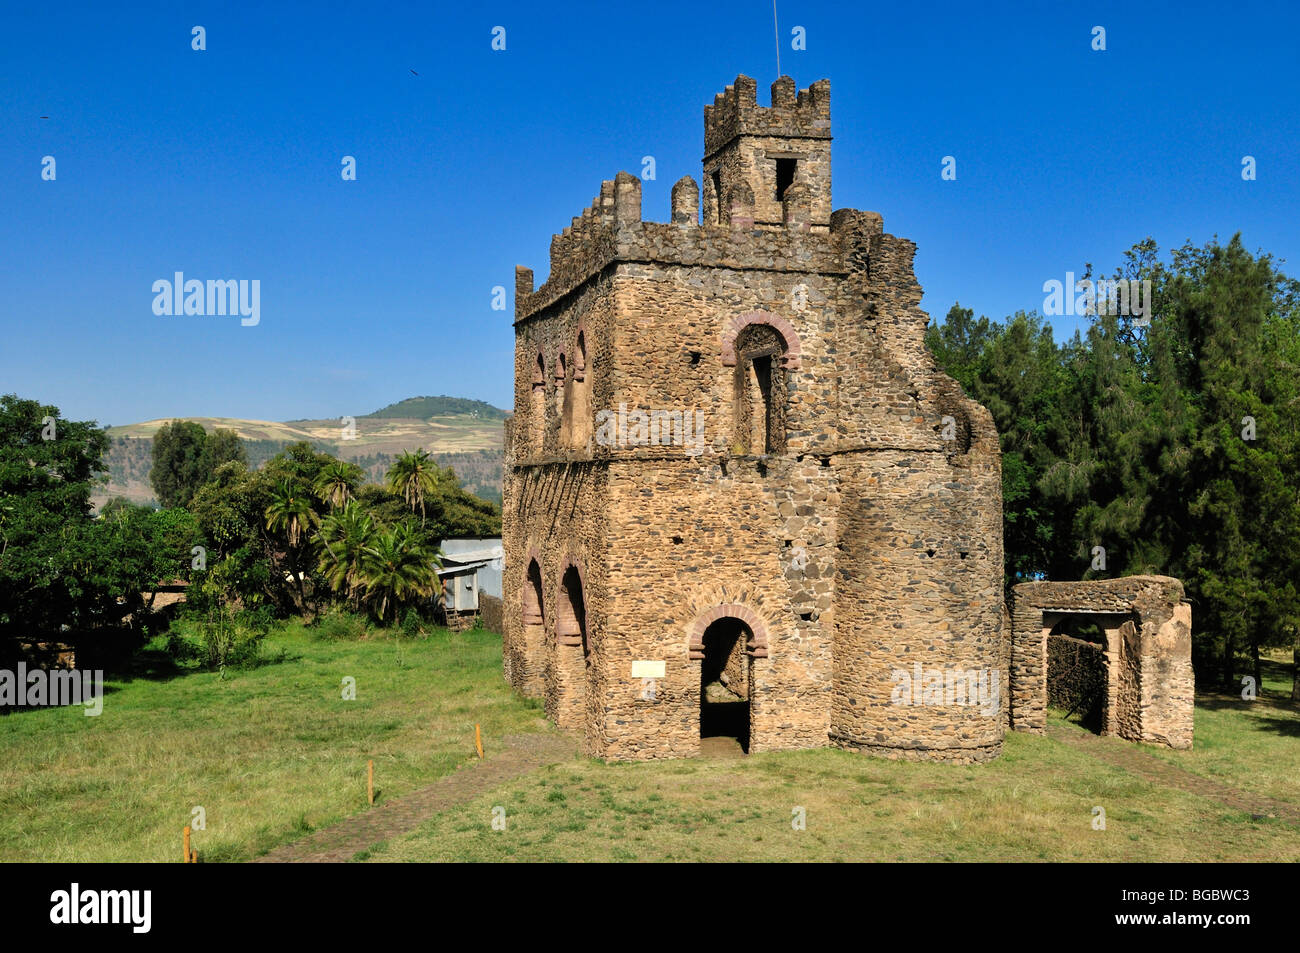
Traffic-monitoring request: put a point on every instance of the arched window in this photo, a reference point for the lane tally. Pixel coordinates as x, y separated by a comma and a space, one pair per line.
577, 410
564, 401
760, 389
537, 409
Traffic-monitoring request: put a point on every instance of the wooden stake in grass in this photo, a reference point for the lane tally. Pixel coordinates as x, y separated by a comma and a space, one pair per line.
370, 781
194, 857
187, 845
478, 740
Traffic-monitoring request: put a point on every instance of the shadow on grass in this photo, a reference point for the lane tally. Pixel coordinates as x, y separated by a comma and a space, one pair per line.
1268, 701
156, 665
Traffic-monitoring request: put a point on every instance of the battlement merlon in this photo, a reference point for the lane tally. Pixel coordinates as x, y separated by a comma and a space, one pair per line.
854, 244
617, 204
735, 112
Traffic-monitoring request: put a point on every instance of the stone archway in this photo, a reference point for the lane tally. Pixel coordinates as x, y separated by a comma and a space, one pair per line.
725, 680
724, 642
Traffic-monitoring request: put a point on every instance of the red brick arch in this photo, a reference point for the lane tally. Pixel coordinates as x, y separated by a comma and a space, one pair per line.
563, 612
757, 646
793, 352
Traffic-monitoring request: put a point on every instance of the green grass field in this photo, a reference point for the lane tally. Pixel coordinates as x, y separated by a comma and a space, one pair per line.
274, 752
1251, 745
269, 753
1032, 804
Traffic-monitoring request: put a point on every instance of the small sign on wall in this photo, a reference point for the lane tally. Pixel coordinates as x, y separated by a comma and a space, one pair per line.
647, 669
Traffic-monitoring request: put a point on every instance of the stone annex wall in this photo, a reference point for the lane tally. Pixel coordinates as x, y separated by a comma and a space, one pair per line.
835, 492
1148, 654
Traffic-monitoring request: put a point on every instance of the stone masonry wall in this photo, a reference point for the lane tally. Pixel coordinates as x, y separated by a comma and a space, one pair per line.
693, 538
1149, 653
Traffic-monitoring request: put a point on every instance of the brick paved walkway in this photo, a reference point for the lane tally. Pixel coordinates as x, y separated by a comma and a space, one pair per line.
1134, 760
344, 840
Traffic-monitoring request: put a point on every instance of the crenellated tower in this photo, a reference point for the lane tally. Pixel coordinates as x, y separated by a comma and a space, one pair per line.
734, 470
769, 167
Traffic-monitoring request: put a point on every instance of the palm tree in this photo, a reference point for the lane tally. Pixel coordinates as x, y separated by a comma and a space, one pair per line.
344, 536
290, 512
396, 567
336, 483
414, 477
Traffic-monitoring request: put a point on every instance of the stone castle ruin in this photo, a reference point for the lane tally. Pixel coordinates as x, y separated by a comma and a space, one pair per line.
740, 498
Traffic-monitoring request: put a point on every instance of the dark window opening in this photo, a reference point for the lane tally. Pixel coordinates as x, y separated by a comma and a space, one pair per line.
760, 399
763, 380
717, 194
784, 176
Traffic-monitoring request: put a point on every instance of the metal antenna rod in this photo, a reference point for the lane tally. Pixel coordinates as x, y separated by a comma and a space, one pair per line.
776, 34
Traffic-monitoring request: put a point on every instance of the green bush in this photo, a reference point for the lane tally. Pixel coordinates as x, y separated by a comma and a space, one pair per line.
339, 625
219, 637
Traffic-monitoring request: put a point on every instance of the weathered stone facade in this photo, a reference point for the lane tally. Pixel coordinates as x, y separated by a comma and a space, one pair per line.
1147, 627
808, 509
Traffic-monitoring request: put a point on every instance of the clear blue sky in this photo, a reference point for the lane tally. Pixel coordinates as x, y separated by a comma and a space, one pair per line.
225, 164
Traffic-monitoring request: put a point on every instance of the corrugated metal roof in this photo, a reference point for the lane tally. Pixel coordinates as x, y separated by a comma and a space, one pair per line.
477, 555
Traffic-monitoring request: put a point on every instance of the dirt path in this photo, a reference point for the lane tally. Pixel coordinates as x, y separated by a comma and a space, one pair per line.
344, 840
1136, 761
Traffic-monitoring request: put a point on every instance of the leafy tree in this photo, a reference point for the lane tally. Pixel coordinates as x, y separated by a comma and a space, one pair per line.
185, 456
179, 464
1136, 439
223, 446
60, 567
48, 469
1229, 340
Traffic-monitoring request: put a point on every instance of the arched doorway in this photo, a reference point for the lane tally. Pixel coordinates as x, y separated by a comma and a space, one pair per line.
725, 686
573, 652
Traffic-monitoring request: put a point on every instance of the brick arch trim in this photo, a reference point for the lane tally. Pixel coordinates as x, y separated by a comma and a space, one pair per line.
539, 368
563, 606
793, 350
758, 643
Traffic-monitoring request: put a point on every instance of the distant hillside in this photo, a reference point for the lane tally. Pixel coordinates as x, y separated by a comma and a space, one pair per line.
440, 407
466, 435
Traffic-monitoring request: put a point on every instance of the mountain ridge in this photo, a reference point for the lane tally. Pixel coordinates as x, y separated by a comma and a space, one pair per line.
467, 436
